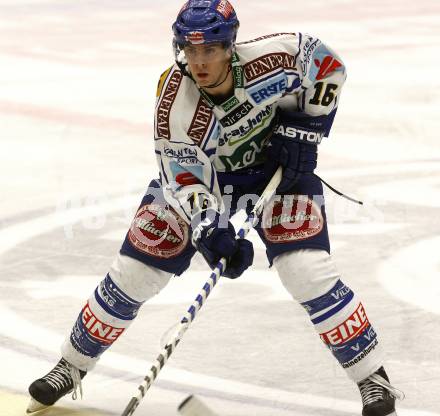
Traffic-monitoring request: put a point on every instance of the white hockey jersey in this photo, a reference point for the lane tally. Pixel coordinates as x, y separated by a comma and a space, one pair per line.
195, 139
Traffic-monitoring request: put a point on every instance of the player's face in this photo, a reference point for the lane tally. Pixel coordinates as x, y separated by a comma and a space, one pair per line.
207, 63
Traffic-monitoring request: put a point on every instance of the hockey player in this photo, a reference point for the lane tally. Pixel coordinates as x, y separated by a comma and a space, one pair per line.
227, 115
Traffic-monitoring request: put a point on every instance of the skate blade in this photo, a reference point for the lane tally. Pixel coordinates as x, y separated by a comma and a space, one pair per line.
35, 406
192, 406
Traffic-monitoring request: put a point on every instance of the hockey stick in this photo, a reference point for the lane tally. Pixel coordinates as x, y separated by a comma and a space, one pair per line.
168, 349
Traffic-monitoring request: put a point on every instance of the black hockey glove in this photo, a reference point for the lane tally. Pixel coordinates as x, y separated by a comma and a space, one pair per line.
293, 145
296, 159
214, 242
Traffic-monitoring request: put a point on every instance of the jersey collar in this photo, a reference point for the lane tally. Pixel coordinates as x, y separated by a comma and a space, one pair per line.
238, 78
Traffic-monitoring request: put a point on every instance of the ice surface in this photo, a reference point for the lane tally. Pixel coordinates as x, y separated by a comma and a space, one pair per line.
77, 93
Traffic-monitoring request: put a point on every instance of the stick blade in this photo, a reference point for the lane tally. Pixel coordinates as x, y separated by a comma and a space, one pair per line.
193, 406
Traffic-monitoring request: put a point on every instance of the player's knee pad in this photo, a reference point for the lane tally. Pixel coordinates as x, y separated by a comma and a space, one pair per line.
336, 312
306, 273
111, 309
136, 279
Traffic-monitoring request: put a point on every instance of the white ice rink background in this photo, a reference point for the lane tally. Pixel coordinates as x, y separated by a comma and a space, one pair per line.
78, 83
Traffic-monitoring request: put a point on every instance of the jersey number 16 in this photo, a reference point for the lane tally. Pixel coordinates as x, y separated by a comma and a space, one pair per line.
323, 99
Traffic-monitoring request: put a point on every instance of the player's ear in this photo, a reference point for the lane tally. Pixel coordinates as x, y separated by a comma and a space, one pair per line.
228, 49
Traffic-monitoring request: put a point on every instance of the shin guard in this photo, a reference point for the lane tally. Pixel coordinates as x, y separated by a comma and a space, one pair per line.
106, 315
342, 323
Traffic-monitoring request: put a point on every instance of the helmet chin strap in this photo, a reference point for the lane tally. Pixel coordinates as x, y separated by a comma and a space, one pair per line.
221, 82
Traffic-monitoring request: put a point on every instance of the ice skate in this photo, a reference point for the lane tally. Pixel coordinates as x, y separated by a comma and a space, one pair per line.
61, 380
378, 395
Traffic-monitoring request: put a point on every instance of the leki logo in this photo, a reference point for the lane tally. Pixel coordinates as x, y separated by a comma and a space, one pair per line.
99, 330
350, 329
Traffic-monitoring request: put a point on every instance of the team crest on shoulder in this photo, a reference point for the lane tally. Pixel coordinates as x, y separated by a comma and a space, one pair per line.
327, 66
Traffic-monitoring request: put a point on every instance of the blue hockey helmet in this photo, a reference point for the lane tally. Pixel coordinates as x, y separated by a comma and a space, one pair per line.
205, 21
